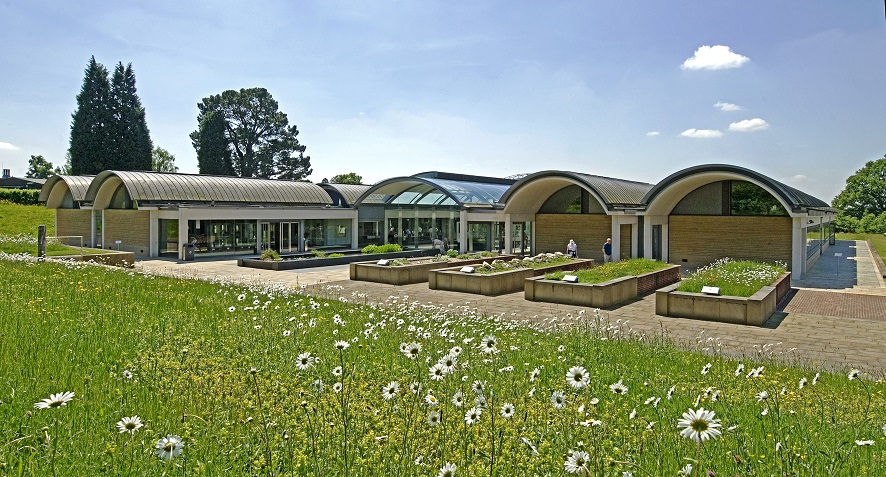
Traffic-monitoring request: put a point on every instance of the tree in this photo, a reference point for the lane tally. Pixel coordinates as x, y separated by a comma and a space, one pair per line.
213, 154
863, 199
38, 167
132, 140
64, 170
258, 137
163, 161
349, 178
91, 127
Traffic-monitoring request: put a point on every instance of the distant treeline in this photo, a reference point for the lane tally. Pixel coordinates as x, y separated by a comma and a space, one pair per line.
20, 196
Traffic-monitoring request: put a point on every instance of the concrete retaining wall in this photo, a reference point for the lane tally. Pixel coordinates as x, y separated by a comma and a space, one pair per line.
598, 295
406, 274
492, 284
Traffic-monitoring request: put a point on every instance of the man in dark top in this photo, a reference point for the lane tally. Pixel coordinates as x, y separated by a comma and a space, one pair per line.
607, 251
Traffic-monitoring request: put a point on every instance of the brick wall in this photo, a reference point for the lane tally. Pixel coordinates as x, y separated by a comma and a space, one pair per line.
131, 227
74, 222
702, 239
650, 282
590, 231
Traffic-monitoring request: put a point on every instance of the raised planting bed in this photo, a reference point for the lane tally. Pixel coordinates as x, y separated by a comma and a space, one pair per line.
415, 271
116, 259
495, 283
308, 262
599, 295
752, 310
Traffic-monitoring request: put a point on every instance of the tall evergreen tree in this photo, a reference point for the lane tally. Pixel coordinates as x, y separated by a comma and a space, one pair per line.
132, 140
211, 144
91, 127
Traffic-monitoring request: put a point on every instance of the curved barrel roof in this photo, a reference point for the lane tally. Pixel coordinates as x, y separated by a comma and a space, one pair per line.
349, 192
612, 193
169, 188
440, 188
78, 185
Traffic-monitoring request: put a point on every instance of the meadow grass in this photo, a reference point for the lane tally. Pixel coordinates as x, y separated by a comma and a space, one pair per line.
734, 277
265, 381
879, 241
612, 270
18, 219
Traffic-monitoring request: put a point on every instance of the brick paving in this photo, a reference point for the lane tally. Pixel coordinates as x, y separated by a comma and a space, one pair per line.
833, 321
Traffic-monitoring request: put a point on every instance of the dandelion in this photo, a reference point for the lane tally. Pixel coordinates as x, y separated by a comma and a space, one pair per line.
390, 391
507, 410
577, 462
55, 400
618, 388
129, 424
342, 345
699, 425
762, 396
438, 372
434, 418
304, 361
686, 470
558, 400
447, 470
577, 377
473, 415
169, 447
458, 399
853, 374
706, 368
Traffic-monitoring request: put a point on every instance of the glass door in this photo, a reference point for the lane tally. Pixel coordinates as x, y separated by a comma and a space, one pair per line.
269, 236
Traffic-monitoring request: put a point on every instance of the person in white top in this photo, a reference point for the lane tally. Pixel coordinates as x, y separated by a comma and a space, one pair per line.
572, 249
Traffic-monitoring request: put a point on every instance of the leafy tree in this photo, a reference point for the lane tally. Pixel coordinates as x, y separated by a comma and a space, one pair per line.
38, 167
863, 199
213, 154
163, 161
132, 140
64, 170
260, 141
91, 128
349, 178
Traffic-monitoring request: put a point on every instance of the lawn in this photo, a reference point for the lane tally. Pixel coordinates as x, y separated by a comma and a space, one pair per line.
612, 270
226, 380
18, 219
879, 241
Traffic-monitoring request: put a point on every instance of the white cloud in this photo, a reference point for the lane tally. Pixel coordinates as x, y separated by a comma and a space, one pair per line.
701, 133
717, 57
653, 133
749, 125
5, 146
727, 106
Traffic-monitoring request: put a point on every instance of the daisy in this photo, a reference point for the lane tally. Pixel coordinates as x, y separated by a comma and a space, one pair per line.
448, 363
699, 425
803, 383
304, 361
884, 429
488, 344
478, 387
577, 377
815, 378
412, 350
342, 345
762, 396
531, 446
231, 309
55, 400
594, 401
431, 400
686, 470
127, 374
853, 374
336, 387
480, 401
864, 443
458, 399
447, 470
473, 415
618, 388
633, 414
671, 392
507, 410
169, 447
577, 462
336, 371
129, 424
318, 386
455, 351
390, 391
739, 369
438, 372
558, 400
434, 418
415, 387
706, 368
533, 375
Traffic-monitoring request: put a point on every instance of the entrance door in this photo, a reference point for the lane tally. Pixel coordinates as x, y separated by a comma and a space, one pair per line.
269, 236
656, 242
288, 237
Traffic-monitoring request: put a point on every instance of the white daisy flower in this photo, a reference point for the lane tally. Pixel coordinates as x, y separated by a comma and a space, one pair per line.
447, 470
853, 374
169, 447
304, 361
129, 424
507, 410
864, 443
437, 372
473, 415
55, 400
577, 377
699, 425
558, 399
577, 463
458, 399
434, 418
618, 388
390, 391
342, 345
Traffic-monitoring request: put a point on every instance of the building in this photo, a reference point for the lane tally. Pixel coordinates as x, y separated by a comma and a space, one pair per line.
692, 217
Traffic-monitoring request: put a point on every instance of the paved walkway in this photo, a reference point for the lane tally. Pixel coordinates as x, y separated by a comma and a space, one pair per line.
802, 332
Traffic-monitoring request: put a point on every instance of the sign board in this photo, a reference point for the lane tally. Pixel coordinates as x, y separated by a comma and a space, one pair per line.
570, 278
838, 254
710, 290
383, 262
467, 269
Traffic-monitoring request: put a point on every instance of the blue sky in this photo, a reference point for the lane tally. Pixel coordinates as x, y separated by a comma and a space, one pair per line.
629, 88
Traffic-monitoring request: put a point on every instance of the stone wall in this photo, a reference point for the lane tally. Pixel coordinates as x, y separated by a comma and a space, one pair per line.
74, 222
590, 231
702, 239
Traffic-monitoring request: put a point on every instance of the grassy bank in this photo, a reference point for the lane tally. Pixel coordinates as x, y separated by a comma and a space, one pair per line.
262, 381
612, 270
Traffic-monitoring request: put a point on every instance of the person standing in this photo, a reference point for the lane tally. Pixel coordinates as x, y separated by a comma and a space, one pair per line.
572, 249
607, 251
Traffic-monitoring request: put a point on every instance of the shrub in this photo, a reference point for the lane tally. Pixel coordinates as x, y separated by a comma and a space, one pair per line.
20, 196
270, 255
335, 255
384, 248
452, 253
317, 253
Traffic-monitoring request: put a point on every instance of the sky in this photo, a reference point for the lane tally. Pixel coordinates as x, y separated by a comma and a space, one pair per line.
633, 89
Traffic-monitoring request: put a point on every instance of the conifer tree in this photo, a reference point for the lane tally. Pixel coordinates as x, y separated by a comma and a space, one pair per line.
132, 140
91, 127
213, 154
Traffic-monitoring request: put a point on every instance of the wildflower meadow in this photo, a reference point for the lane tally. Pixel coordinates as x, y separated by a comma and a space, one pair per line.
111, 372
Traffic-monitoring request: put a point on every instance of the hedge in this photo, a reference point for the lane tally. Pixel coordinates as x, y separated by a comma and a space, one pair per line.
20, 196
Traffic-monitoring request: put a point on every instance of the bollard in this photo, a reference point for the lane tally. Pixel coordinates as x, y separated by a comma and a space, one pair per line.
41, 241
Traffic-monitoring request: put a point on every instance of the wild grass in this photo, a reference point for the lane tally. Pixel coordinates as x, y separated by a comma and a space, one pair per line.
18, 219
879, 241
612, 270
15, 244
266, 381
734, 277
